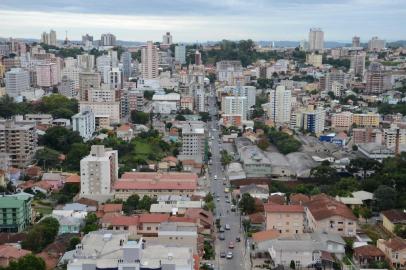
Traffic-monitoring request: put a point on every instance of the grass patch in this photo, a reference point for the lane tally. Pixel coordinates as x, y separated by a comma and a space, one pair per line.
374, 232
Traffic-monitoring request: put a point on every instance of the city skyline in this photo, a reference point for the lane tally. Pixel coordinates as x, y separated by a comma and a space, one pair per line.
191, 21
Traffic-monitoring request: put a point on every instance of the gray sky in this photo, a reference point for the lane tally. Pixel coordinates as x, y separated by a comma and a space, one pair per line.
202, 20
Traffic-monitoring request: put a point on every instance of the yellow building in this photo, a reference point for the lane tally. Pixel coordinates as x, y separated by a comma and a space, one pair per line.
366, 119
315, 60
393, 217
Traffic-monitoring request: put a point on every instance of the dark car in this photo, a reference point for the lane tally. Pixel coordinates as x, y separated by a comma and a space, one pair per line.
238, 239
222, 254
222, 236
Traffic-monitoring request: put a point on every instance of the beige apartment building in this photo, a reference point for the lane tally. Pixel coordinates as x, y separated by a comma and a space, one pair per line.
19, 140
341, 121
366, 119
287, 219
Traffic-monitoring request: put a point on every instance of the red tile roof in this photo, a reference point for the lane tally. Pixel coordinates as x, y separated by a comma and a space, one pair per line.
182, 219
153, 218
396, 243
368, 251
257, 218
277, 199
120, 220
205, 217
395, 215
73, 179
265, 235
111, 207
11, 252
154, 176
133, 185
275, 208
298, 198
322, 206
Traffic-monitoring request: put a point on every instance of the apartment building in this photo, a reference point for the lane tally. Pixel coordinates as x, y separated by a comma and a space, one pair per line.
314, 59
229, 71
85, 123
394, 250
326, 214
149, 61
17, 81
98, 173
316, 39
186, 102
16, 212
287, 219
235, 105
18, 139
375, 78
193, 141
367, 135
314, 121
154, 184
47, 75
280, 101
341, 121
88, 80
366, 119
106, 112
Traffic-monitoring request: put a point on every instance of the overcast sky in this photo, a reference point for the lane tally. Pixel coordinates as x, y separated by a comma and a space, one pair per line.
202, 20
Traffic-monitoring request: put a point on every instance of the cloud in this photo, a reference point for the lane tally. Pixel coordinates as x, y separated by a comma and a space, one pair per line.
191, 20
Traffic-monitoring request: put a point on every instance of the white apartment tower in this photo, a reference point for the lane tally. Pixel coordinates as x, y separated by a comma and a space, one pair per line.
180, 54
280, 105
17, 81
47, 75
193, 141
84, 122
86, 61
167, 39
49, 38
316, 39
98, 172
114, 76
235, 105
108, 40
149, 61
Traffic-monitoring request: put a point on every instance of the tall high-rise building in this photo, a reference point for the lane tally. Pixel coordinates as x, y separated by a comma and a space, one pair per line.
67, 87
86, 39
200, 100
17, 81
98, 173
180, 54
167, 39
47, 75
84, 122
280, 105
108, 40
198, 58
87, 80
375, 78
115, 81
235, 105
314, 121
19, 140
356, 42
193, 141
86, 61
334, 76
376, 44
149, 61
126, 60
358, 63
316, 39
49, 38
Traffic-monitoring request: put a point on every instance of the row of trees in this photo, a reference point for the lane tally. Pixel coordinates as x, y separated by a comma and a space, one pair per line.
57, 105
284, 142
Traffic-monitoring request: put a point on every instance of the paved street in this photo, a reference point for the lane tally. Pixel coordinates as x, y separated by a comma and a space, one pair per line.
223, 208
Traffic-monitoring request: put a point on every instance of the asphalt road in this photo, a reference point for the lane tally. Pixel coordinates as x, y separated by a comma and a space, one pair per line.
223, 208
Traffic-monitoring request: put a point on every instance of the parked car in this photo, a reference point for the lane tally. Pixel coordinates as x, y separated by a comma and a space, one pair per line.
223, 254
227, 227
222, 236
229, 255
222, 229
238, 239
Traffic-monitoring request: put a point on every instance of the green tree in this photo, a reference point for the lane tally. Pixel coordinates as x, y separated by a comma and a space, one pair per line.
385, 197
41, 235
246, 224
146, 202
72, 243
363, 165
247, 204
139, 117
400, 230
131, 204
60, 138
47, 157
148, 94
284, 142
204, 116
28, 262
180, 117
210, 206
91, 223
263, 144
208, 198
76, 152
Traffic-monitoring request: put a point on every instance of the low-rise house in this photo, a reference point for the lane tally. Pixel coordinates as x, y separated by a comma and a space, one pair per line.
154, 184
125, 132
117, 222
393, 217
9, 253
366, 255
68, 224
277, 199
256, 191
326, 214
54, 179
287, 219
79, 207
149, 223
203, 218
350, 201
73, 179
394, 250
109, 208
257, 221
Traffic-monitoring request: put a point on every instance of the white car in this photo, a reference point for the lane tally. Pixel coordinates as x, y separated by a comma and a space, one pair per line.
227, 227
215, 177
229, 255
